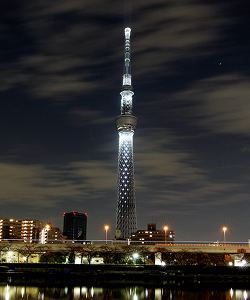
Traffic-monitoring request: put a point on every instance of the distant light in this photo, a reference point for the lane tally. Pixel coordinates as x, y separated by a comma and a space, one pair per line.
243, 263
224, 228
135, 255
10, 253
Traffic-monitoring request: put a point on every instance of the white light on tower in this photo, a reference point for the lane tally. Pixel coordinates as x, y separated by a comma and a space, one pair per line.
126, 123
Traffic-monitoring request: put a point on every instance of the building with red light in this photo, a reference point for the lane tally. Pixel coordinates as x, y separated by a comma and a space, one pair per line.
75, 225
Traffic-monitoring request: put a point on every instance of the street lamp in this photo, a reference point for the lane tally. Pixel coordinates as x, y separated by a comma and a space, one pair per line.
224, 229
106, 227
165, 230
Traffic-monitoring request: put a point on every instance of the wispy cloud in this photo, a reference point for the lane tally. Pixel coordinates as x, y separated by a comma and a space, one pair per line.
179, 176
48, 186
220, 104
82, 117
174, 31
70, 53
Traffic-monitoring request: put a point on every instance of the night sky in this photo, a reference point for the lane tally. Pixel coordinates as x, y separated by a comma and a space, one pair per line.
61, 66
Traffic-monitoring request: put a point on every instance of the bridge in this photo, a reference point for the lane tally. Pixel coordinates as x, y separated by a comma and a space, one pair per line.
177, 246
207, 247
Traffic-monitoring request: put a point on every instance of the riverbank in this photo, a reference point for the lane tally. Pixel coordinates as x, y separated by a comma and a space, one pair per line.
72, 275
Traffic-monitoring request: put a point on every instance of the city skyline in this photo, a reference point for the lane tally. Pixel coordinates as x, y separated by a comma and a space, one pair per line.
61, 66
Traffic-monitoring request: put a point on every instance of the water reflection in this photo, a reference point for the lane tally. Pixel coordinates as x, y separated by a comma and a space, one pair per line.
8, 292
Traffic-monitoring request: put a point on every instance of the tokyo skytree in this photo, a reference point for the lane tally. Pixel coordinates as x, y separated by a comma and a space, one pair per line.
126, 222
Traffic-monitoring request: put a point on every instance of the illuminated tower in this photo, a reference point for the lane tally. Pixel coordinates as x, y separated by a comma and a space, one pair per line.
126, 222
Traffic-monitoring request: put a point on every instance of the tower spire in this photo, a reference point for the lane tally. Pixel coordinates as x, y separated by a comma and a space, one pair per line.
127, 66
126, 222
127, 93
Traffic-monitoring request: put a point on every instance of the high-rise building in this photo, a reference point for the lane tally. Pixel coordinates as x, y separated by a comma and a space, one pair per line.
31, 230
126, 222
50, 234
20, 230
10, 229
75, 225
54, 235
152, 236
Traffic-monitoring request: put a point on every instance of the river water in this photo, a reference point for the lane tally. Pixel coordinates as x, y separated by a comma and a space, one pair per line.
8, 292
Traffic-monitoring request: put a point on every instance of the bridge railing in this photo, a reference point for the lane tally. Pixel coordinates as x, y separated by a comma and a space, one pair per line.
141, 243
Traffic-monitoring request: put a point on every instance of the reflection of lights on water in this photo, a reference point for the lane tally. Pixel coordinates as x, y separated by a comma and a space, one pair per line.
12, 292
77, 291
158, 294
135, 297
84, 291
92, 292
41, 296
240, 294
231, 293
22, 292
7, 294
170, 295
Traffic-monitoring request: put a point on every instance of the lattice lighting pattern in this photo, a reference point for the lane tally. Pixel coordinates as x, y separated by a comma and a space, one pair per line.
126, 210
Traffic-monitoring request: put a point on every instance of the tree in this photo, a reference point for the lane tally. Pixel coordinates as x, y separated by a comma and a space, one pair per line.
129, 251
107, 253
144, 253
112, 254
28, 250
53, 257
4, 247
88, 251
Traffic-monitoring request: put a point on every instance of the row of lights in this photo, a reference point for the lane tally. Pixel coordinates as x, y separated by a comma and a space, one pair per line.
165, 228
106, 228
